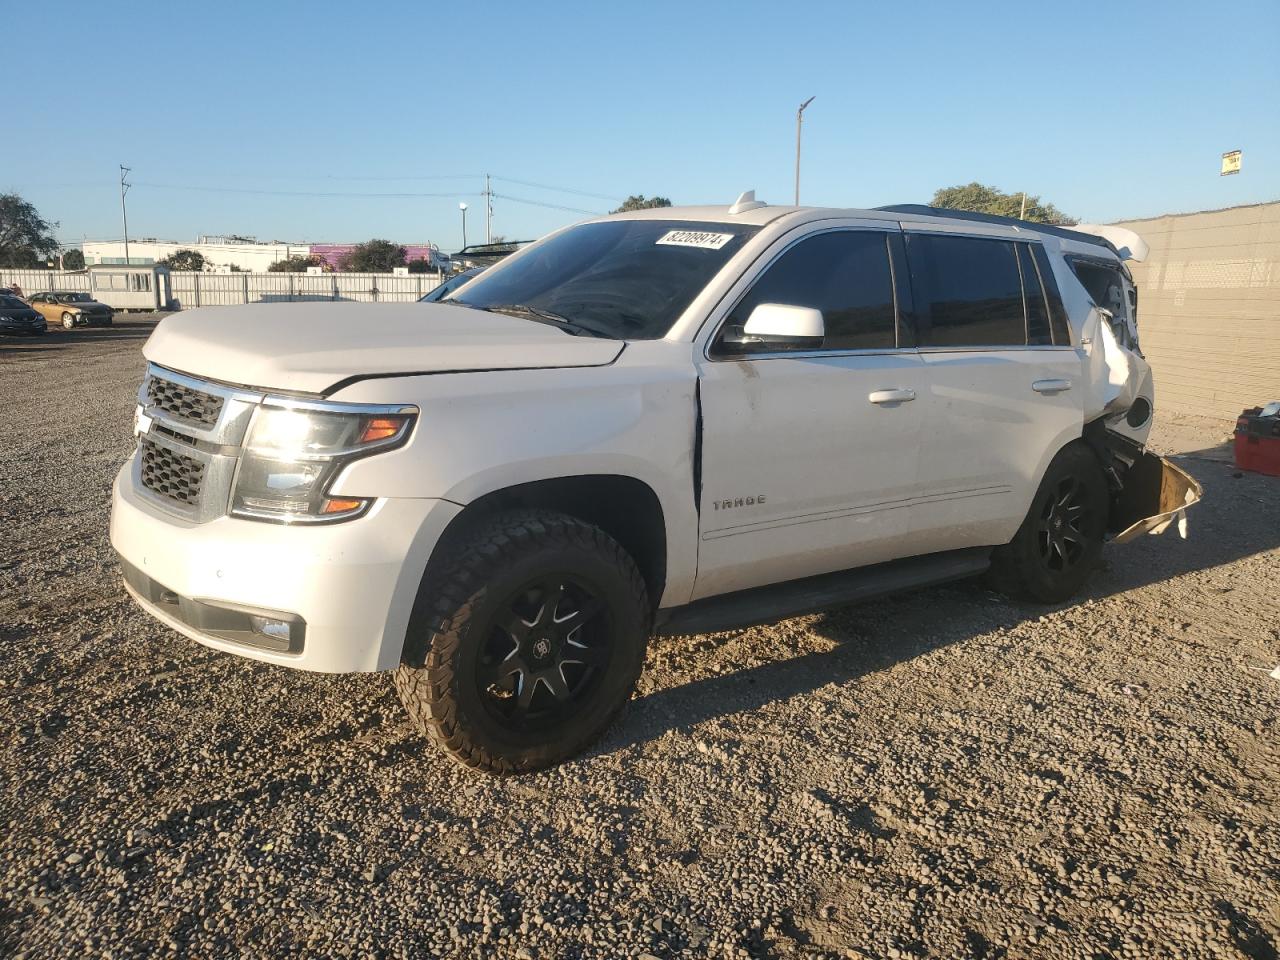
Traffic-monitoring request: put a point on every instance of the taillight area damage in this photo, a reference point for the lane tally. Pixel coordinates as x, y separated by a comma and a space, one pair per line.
1148, 493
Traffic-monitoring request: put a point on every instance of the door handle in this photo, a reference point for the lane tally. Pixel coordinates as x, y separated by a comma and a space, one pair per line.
891, 396
1051, 386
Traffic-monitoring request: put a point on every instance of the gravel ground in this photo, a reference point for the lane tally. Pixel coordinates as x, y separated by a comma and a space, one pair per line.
942, 774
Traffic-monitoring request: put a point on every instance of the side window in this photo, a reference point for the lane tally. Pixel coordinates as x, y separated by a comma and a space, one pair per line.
1057, 312
1038, 333
845, 274
968, 291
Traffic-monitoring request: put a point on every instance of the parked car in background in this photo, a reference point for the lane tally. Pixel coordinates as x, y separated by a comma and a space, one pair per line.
72, 309
486, 254
674, 420
17, 316
450, 285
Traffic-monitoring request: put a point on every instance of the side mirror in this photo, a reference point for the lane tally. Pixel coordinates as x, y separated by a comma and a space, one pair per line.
784, 324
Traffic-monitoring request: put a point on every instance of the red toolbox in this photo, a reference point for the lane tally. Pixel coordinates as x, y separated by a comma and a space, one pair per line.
1258, 439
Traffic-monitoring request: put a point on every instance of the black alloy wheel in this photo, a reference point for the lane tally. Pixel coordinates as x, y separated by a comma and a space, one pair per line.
1062, 532
546, 652
527, 640
1059, 543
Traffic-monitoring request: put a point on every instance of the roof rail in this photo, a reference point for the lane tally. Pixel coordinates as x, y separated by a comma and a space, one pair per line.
1066, 233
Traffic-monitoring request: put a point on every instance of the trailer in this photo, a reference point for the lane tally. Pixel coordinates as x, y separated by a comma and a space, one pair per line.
134, 287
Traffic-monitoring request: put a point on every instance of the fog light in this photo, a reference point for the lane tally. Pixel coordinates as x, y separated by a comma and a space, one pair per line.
271, 627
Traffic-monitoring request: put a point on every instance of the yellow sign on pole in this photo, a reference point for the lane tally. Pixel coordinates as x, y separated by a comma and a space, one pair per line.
1230, 163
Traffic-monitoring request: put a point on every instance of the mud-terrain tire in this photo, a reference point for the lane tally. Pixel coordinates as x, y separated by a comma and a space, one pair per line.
1060, 542
529, 597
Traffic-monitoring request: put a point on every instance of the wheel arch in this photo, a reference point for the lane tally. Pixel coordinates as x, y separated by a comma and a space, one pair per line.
626, 508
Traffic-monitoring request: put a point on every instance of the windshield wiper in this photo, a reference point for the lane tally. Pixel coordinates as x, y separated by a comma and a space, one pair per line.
539, 315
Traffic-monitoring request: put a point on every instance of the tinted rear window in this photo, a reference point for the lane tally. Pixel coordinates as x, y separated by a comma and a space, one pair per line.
968, 291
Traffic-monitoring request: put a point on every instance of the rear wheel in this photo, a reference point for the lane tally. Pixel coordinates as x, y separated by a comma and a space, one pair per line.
1060, 542
526, 644
68, 321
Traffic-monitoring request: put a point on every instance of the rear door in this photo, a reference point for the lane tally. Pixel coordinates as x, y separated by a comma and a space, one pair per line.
807, 466
1004, 383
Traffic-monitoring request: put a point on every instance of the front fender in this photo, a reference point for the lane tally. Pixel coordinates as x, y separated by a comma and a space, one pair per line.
479, 433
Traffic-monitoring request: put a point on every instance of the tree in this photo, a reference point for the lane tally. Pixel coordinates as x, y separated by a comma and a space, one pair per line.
73, 260
26, 238
375, 256
640, 202
184, 260
297, 263
420, 265
980, 198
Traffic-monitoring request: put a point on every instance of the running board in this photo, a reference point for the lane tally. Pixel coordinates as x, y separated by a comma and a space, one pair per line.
778, 601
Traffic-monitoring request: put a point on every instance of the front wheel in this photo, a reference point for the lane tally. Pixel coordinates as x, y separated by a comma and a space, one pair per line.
68, 321
526, 644
1060, 542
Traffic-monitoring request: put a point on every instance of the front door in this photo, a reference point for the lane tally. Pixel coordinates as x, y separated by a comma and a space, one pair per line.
809, 456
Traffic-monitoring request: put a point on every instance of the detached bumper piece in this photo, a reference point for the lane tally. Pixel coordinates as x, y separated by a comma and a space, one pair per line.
1156, 494
262, 629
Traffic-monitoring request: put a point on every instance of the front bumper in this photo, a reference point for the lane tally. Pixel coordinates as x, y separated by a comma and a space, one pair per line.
23, 326
352, 584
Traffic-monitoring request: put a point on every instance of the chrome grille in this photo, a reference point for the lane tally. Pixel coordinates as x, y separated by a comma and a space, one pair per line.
170, 474
185, 403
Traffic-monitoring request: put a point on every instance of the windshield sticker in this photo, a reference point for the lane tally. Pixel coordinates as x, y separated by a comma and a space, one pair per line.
694, 238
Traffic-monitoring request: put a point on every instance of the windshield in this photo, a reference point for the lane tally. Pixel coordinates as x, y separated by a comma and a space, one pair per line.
446, 288
624, 279
11, 302
74, 297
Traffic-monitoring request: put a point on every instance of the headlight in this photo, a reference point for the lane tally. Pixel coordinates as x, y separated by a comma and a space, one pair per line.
294, 451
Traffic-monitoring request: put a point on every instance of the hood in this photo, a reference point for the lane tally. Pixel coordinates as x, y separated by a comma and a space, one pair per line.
311, 347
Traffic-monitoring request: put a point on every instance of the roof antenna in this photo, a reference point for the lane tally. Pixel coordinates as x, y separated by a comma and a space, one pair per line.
747, 201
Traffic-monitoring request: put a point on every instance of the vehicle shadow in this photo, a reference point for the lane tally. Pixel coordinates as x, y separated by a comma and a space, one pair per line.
12, 346
1239, 517
82, 338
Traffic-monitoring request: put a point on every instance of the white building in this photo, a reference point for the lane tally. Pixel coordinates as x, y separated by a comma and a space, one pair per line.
220, 253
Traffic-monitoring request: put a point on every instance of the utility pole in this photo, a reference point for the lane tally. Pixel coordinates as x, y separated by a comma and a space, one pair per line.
1022, 213
124, 211
463, 207
488, 211
799, 122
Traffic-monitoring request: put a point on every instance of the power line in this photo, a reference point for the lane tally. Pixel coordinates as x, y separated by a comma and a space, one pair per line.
544, 186
550, 206
348, 194
300, 193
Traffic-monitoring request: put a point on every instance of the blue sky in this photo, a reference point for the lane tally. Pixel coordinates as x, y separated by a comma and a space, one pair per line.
1108, 110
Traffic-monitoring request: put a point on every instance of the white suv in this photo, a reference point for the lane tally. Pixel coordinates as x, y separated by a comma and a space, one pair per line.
680, 420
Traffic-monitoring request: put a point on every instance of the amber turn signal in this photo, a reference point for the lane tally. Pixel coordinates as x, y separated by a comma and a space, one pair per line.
341, 505
381, 428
